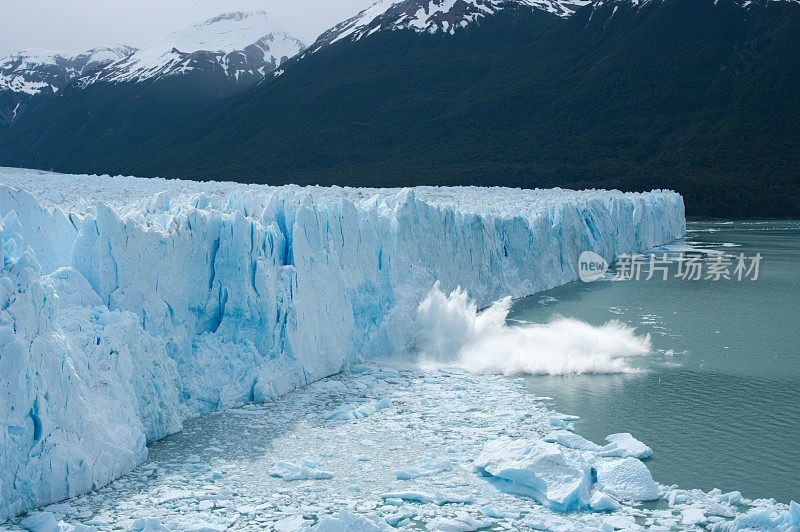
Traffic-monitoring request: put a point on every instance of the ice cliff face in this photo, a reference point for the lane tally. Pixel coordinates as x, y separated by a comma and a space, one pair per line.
122, 318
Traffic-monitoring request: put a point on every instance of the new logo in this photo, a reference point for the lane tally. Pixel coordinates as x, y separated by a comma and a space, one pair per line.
591, 266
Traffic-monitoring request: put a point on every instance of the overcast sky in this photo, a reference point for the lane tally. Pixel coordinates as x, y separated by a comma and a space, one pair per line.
84, 24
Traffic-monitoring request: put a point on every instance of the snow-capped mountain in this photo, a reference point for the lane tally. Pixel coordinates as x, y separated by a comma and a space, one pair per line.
432, 16
127, 94
243, 46
34, 72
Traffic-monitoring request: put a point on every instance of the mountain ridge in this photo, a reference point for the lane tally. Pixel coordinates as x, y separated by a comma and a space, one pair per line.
241, 43
34, 72
222, 55
432, 16
130, 100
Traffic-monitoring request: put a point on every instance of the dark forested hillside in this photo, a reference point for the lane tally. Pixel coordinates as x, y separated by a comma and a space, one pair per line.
685, 94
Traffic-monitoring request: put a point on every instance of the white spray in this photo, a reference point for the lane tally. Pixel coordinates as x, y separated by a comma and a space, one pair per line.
451, 331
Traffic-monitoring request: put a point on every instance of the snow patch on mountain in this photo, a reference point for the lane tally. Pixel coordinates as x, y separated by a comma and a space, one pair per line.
252, 44
596, 5
753, 3
432, 16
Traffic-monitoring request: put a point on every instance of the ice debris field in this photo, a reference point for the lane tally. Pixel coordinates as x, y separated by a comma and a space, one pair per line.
131, 307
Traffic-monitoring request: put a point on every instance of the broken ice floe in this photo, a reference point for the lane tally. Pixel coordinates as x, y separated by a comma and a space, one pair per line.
438, 497
431, 466
624, 445
298, 470
627, 479
235, 491
358, 412
621, 445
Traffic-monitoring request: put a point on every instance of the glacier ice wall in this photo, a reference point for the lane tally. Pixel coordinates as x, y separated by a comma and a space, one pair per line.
122, 317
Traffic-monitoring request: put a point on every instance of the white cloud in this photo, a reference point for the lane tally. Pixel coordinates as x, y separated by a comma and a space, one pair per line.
83, 24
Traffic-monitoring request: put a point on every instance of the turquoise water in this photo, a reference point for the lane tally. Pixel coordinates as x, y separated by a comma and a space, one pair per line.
719, 400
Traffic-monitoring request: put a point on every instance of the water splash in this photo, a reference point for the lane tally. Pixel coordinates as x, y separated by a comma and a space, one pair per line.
451, 331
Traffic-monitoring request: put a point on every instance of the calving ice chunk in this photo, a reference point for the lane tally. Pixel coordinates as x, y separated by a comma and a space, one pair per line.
161, 300
451, 331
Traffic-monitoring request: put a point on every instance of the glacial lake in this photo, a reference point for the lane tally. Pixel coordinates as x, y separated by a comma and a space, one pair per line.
718, 399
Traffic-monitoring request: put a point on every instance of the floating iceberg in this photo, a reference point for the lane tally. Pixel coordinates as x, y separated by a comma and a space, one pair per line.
603, 502
627, 479
539, 470
624, 445
130, 305
294, 523
561, 478
358, 412
461, 523
298, 470
148, 525
431, 466
693, 517
348, 522
438, 497
572, 441
764, 519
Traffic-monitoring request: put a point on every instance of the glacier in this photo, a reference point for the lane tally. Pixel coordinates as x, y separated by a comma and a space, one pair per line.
131, 305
